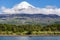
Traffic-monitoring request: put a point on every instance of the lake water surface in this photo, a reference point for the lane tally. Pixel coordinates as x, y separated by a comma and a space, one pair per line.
29, 38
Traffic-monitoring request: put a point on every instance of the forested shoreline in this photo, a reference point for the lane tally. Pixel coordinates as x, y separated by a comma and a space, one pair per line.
34, 29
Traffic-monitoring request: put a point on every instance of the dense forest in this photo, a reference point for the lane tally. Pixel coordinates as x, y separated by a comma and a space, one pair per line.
34, 29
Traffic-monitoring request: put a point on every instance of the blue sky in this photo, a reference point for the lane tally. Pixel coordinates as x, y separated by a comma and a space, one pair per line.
37, 3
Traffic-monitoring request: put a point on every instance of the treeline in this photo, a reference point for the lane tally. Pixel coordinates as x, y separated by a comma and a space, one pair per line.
28, 29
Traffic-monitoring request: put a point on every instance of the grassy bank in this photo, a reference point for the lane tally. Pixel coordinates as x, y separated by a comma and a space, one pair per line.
40, 33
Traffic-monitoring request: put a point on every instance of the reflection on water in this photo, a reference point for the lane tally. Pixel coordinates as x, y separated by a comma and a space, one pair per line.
22, 38
14, 38
29, 38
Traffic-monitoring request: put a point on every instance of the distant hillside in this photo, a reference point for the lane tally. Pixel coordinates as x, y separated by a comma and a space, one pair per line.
29, 19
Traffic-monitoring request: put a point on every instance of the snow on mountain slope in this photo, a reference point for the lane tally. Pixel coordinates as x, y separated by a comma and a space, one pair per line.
23, 5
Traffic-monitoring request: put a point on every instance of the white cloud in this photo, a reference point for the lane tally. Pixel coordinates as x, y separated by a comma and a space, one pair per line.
50, 7
46, 10
7, 10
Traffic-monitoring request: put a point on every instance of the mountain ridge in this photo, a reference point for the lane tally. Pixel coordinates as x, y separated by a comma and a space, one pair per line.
30, 15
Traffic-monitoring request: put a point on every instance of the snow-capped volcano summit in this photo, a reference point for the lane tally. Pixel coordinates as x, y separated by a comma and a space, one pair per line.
24, 5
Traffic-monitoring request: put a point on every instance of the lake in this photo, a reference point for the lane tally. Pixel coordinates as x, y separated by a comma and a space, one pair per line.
29, 38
